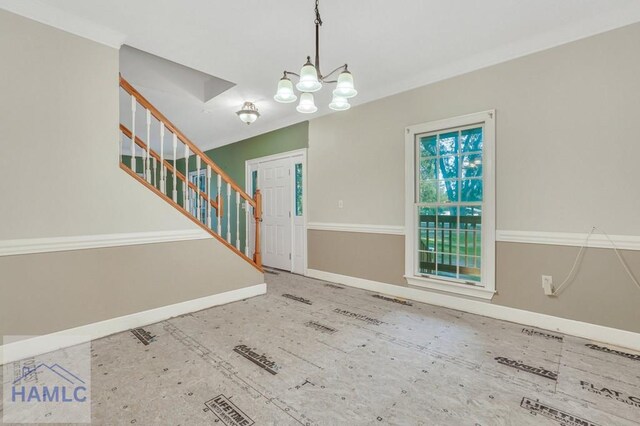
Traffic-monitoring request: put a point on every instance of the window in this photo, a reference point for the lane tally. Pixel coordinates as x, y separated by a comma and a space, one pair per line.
200, 180
298, 183
450, 209
254, 182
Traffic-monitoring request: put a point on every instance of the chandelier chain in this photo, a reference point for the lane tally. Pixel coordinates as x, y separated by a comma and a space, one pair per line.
318, 20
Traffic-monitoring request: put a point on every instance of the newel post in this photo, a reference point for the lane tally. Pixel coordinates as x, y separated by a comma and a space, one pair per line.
257, 214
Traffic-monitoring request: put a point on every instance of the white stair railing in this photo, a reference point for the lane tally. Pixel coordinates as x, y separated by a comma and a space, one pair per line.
200, 198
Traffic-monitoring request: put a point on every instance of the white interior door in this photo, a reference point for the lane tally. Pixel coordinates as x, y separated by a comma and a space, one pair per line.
275, 184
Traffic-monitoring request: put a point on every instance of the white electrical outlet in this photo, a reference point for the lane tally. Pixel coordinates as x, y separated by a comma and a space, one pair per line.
340, 204
547, 284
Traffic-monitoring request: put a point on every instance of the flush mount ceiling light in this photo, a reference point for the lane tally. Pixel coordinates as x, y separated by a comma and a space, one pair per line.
310, 80
249, 113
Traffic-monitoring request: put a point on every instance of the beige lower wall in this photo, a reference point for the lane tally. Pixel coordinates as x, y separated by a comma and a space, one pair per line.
376, 257
48, 292
601, 292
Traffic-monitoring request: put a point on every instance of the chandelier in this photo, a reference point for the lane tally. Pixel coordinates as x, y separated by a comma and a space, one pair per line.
310, 80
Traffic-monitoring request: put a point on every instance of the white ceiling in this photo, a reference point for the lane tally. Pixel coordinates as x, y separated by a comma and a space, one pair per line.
390, 46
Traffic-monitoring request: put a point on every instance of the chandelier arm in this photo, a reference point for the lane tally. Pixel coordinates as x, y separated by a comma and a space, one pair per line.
292, 73
341, 67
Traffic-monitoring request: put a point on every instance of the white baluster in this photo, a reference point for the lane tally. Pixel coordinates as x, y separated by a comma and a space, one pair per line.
246, 230
134, 162
218, 222
155, 172
175, 169
163, 170
147, 169
209, 195
133, 133
186, 176
228, 212
238, 220
198, 198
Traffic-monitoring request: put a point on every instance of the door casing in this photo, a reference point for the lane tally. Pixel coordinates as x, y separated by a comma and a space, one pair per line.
296, 156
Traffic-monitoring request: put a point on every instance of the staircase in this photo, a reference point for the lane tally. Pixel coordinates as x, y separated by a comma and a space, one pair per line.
186, 178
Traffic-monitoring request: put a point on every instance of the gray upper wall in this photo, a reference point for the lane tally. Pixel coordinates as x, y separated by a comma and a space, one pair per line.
567, 141
59, 173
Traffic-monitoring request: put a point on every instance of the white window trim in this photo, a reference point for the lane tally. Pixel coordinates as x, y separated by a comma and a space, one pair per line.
487, 287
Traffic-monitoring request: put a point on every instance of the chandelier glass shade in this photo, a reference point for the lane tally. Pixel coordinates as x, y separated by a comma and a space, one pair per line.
345, 87
339, 103
307, 104
308, 82
311, 80
285, 92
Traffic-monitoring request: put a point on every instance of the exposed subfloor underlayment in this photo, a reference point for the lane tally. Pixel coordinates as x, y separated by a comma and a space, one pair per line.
311, 352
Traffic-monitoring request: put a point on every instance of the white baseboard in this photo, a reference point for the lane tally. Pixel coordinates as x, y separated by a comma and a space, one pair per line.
83, 242
613, 336
50, 342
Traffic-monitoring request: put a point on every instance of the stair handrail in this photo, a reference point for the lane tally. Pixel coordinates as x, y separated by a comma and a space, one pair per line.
127, 87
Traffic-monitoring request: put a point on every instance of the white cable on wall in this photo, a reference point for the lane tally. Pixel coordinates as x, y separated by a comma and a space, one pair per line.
624, 264
584, 245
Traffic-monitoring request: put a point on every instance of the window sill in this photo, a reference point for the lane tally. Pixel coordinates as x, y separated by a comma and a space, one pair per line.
450, 287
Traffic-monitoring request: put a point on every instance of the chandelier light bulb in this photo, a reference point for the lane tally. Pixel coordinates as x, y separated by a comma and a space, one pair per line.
285, 93
309, 78
339, 103
345, 86
307, 104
